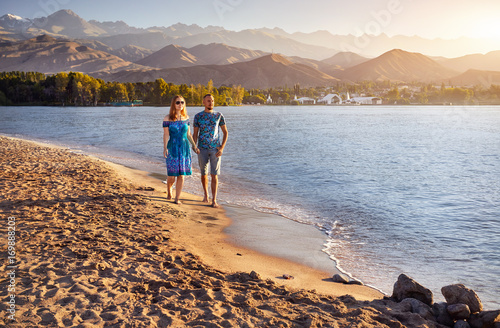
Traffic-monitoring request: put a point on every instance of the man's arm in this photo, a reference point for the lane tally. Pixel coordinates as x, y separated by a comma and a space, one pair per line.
224, 140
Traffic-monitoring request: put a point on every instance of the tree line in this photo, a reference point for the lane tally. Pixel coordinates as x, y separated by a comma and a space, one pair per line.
77, 89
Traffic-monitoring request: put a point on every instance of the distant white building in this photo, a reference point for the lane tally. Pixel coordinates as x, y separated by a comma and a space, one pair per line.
331, 99
269, 99
335, 99
305, 100
366, 100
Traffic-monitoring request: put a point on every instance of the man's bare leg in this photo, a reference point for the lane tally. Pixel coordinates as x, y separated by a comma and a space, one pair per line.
215, 185
170, 184
204, 183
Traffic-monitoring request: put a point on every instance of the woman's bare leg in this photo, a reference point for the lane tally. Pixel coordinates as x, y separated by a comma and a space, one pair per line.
178, 188
170, 183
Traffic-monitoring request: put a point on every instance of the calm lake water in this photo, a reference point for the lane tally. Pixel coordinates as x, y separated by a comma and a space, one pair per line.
412, 190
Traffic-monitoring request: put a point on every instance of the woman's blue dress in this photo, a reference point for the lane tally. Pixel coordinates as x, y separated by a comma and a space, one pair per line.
179, 153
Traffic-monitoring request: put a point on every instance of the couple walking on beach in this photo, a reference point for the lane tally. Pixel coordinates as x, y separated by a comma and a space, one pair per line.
205, 142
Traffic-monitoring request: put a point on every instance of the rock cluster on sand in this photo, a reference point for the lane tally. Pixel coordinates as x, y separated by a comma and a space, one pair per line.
462, 309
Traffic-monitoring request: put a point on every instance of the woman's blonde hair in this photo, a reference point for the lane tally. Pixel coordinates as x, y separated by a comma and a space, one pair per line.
171, 114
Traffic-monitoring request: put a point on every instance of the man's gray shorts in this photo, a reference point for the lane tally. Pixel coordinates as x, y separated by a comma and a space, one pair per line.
208, 155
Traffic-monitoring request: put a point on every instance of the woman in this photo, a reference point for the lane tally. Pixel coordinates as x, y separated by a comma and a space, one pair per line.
176, 140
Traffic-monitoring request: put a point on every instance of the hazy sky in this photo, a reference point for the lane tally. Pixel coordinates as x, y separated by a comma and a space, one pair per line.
430, 19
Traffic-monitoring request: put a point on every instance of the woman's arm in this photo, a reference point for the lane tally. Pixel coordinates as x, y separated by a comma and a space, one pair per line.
166, 136
196, 131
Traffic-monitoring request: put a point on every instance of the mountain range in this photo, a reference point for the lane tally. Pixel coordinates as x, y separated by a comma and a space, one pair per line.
398, 65
46, 54
264, 72
256, 58
173, 56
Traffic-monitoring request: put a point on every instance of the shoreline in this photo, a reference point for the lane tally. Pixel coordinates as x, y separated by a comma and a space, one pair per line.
205, 231
387, 282
97, 244
245, 229
93, 232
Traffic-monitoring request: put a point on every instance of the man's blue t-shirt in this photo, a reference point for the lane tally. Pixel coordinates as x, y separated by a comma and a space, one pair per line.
208, 124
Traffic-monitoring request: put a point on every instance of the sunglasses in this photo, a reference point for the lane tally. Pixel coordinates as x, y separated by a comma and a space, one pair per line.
179, 102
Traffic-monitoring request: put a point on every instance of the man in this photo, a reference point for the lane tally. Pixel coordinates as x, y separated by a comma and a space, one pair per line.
206, 134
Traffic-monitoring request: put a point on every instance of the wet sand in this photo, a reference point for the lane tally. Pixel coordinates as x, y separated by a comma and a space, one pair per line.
277, 236
97, 244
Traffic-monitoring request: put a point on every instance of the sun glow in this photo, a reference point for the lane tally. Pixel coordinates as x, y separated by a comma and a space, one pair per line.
486, 29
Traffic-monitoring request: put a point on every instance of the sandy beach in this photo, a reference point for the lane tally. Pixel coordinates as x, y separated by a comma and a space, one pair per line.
99, 245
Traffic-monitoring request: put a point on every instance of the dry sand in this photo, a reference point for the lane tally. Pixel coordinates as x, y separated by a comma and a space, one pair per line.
98, 245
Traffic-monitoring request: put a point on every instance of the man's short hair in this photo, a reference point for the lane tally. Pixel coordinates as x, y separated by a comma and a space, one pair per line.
208, 95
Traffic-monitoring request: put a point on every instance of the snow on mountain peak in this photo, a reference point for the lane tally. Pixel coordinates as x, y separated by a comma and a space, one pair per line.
13, 17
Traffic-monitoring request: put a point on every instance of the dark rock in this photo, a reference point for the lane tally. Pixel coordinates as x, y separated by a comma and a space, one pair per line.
340, 278
405, 306
420, 308
459, 311
455, 294
355, 282
486, 319
254, 275
441, 314
461, 324
406, 287
402, 311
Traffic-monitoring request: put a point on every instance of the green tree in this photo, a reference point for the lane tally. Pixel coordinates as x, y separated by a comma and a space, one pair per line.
61, 85
210, 87
119, 92
393, 95
457, 95
184, 91
160, 91
201, 91
237, 94
193, 95
172, 91
225, 96
3, 99
422, 98
144, 91
296, 89
255, 99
